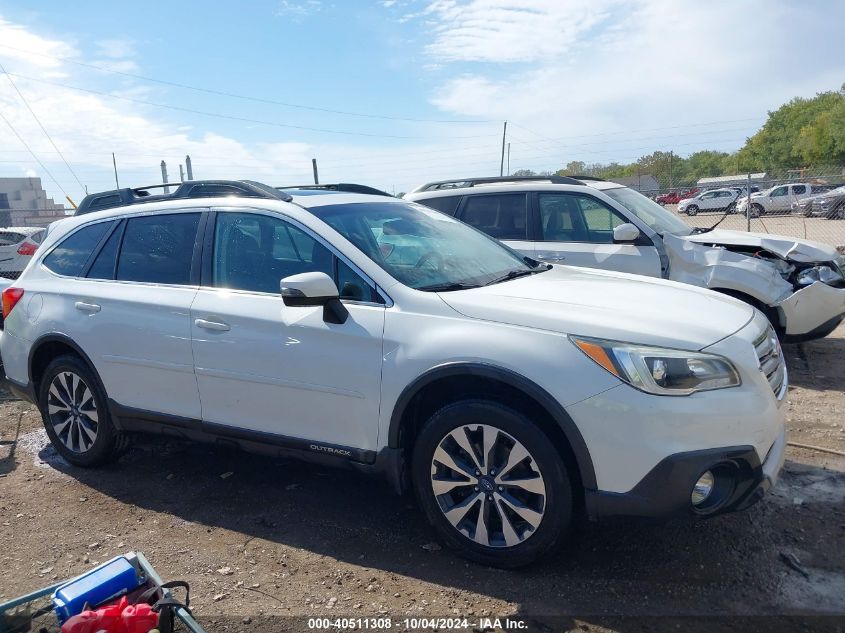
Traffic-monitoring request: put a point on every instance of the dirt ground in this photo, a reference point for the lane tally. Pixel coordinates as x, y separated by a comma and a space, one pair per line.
259, 537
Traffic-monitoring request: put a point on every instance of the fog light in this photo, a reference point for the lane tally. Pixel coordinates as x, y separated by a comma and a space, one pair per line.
703, 488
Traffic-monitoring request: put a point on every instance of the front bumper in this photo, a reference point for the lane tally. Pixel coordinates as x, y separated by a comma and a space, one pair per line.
665, 491
812, 312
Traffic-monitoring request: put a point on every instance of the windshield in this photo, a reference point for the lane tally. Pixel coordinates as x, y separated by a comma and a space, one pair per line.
423, 248
658, 218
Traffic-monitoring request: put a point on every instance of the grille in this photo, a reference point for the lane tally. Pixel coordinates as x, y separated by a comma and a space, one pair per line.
770, 358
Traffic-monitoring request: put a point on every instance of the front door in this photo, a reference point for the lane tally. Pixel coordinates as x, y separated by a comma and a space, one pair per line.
277, 370
577, 229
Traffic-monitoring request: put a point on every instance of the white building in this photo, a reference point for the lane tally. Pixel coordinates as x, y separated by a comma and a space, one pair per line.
23, 202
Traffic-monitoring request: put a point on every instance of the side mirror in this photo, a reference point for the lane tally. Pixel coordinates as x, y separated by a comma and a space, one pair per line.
314, 289
625, 233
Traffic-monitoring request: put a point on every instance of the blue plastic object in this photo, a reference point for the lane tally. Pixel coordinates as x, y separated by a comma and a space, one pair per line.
103, 583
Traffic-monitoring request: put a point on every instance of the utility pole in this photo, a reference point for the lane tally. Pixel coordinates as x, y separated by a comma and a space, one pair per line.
116, 182
670, 171
502, 163
164, 176
509, 158
748, 206
188, 168
314, 167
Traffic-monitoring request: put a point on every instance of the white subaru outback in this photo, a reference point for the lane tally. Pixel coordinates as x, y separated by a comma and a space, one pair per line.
380, 334
798, 284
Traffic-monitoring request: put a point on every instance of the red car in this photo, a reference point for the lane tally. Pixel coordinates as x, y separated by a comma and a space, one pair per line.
674, 197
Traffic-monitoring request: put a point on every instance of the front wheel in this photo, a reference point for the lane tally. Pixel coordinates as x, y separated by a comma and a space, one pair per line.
692, 209
756, 211
491, 483
77, 420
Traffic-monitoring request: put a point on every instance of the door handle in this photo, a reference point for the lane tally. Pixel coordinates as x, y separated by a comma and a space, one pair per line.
217, 326
87, 307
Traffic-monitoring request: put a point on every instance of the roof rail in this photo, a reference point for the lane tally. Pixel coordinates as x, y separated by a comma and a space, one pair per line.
472, 182
348, 187
588, 178
185, 190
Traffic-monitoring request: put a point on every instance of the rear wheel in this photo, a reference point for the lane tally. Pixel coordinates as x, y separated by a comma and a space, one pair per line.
77, 420
756, 211
692, 210
491, 483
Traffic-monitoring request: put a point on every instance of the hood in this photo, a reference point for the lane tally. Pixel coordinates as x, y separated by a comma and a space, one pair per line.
609, 305
790, 248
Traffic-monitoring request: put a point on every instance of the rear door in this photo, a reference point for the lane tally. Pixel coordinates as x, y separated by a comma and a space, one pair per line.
126, 301
500, 215
577, 229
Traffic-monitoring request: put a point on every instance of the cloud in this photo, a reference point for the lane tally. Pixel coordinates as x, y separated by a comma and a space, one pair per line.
576, 68
115, 48
17, 39
510, 30
298, 10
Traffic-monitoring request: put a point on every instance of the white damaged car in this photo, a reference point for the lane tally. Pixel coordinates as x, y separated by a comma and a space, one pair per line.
799, 285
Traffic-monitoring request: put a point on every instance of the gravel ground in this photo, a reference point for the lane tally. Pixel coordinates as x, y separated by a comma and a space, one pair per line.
260, 537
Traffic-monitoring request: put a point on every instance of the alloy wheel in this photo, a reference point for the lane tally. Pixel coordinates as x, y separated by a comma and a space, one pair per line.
488, 485
72, 411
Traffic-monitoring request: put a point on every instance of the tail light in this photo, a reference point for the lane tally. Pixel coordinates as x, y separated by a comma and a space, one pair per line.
11, 296
27, 248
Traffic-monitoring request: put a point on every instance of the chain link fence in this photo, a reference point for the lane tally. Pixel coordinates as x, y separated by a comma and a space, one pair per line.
805, 203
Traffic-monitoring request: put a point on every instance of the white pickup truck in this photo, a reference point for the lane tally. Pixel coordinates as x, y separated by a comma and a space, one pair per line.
778, 199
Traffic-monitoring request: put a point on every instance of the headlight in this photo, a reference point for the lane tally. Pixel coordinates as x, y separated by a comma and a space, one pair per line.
824, 274
660, 370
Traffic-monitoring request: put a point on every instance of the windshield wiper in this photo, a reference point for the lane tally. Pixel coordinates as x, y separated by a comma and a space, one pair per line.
513, 274
447, 287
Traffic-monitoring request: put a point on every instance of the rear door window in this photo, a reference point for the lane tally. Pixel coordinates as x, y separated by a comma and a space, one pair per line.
799, 190
503, 216
158, 249
444, 204
70, 256
7, 238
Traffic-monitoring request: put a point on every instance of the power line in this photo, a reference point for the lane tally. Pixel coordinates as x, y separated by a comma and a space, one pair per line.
223, 93
41, 125
46, 171
653, 129
230, 117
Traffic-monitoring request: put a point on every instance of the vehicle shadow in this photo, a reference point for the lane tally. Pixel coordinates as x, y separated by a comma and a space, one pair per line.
630, 568
816, 364
8, 447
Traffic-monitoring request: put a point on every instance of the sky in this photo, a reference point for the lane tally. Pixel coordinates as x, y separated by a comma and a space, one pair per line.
392, 93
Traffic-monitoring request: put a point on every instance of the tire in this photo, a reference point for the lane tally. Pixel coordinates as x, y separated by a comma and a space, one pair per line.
756, 211
86, 437
692, 210
546, 509
731, 208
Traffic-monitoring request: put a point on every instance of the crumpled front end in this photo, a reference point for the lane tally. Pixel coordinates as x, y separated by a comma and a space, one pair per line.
803, 312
